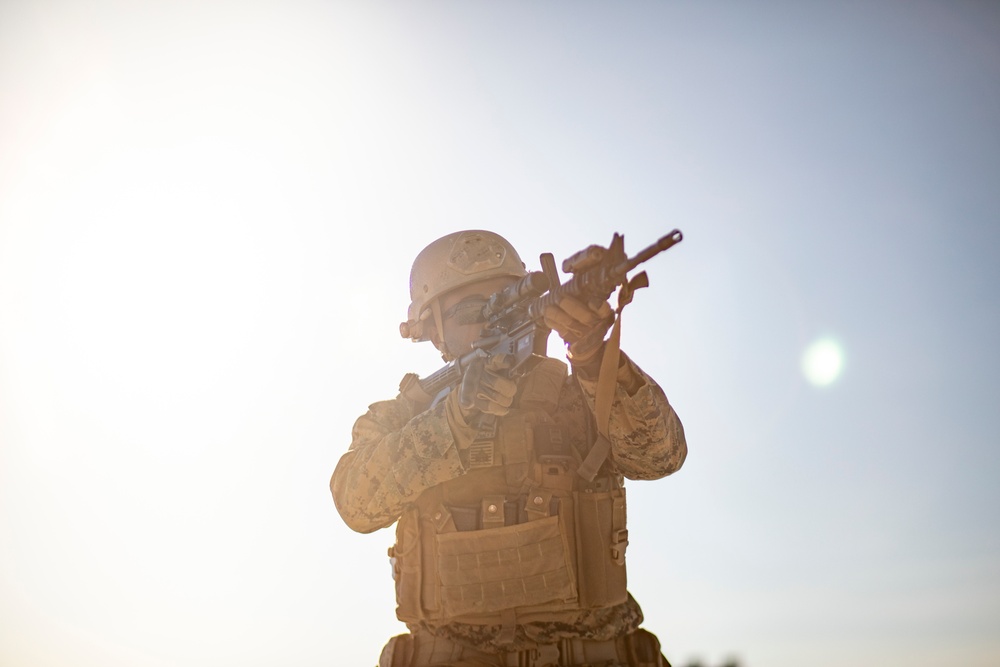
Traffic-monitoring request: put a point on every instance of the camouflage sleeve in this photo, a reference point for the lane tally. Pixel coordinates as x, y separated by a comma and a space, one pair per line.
647, 437
394, 456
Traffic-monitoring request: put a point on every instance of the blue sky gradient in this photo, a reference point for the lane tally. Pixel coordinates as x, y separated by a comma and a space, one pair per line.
207, 218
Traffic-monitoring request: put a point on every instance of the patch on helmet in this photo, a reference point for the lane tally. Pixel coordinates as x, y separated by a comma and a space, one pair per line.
474, 253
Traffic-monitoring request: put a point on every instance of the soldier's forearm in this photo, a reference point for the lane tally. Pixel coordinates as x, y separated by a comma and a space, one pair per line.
647, 441
646, 435
384, 470
363, 500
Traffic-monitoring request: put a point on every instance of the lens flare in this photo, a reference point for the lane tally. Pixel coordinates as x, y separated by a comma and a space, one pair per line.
822, 362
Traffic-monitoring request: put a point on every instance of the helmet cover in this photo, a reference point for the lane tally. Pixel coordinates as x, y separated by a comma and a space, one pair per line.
453, 261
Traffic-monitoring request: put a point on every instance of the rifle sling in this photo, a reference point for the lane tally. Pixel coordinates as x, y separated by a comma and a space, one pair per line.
607, 381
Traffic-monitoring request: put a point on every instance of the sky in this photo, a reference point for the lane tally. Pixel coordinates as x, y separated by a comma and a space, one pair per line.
208, 213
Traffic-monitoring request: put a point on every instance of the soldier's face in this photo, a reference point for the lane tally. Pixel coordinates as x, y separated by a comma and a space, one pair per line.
459, 309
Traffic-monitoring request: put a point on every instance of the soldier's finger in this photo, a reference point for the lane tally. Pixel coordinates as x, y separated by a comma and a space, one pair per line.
601, 307
570, 334
500, 362
557, 320
499, 386
489, 398
493, 402
577, 310
495, 409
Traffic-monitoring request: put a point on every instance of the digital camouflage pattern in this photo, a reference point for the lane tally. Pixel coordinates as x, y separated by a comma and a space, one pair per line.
401, 447
395, 454
597, 624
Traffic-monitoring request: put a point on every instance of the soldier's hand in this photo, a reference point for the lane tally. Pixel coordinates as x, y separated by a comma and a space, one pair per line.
581, 325
485, 389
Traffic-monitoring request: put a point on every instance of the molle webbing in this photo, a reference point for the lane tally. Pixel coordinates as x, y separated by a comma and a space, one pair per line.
490, 570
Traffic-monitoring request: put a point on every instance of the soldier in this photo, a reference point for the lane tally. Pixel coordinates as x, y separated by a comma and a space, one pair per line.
506, 555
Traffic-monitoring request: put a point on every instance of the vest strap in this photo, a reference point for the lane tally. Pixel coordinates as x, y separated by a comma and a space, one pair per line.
538, 504
607, 381
492, 513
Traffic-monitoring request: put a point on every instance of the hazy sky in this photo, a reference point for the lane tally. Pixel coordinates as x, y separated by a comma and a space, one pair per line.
207, 217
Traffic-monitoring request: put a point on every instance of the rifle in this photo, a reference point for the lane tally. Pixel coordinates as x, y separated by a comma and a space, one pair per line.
514, 320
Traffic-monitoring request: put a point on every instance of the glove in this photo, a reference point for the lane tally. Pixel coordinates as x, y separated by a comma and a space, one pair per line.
484, 389
581, 325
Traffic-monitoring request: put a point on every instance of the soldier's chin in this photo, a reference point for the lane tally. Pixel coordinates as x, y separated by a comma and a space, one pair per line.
448, 351
446, 354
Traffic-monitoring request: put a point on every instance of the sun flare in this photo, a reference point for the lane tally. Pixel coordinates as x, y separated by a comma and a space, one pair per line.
823, 362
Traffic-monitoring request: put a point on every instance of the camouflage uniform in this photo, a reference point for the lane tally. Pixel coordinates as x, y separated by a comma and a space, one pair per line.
403, 447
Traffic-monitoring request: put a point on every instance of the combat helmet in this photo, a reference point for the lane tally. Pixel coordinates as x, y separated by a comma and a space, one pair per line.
450, 262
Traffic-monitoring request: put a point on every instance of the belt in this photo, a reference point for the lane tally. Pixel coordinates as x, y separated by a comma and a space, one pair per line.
426, 651
637, 649
569, 653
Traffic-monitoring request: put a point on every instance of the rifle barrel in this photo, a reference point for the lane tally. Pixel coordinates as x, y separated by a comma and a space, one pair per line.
664, 243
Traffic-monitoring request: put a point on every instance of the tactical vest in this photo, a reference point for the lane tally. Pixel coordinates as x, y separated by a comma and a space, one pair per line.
520, 539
